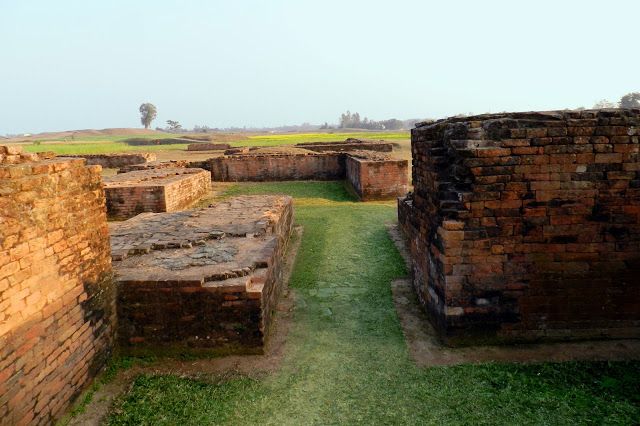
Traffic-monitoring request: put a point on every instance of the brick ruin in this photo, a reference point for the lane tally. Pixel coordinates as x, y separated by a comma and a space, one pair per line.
217, 271
155, 190
115, 161
526, 226
371, 175
376, 177
201, 280
204, 146
349, 144
57, 298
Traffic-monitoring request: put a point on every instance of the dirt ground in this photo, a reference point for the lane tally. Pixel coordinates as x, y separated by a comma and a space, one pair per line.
220, 368
426, 350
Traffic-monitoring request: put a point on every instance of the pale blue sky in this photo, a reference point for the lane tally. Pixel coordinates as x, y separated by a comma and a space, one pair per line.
73, 64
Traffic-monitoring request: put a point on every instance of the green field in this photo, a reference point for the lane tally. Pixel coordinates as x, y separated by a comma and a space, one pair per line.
115, 143
346, 360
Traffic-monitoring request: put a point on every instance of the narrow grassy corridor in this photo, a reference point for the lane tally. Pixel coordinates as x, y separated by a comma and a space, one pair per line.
347, 361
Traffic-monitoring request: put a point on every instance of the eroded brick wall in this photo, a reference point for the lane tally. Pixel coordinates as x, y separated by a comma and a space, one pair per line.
352, 145
114, 161
377, 179
261, 168
56, 294
527, 226
207, 146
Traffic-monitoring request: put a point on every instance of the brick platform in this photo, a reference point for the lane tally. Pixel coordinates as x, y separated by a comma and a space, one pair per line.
155, 190
57, 299
526, 226
201, 280
115, 161
376, 177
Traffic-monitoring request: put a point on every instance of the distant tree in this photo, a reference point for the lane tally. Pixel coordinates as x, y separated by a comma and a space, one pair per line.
603, 103
201, 129
174, 125
325, 126
630, 100
148, 113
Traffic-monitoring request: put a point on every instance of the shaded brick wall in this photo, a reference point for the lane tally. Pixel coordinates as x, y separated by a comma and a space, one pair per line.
114, 161
57, 298
527, 225
238, 168
155, 190
207, 146
377, 180
346, 147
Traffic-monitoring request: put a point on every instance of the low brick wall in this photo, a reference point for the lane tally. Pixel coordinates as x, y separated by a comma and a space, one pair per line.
526, 226
375, 179
57, 299
115, 161
352, 145
261, 168
203, 280
155, 190
208, 146
151, 165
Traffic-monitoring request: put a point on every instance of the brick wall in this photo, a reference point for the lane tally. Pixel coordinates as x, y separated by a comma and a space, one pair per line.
56, 294
238, 168
353, 145
375, 179
114, 161
155, 190
526, 226
207, 146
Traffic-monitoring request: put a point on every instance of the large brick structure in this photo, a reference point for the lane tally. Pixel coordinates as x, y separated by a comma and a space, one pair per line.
526, 226
155, 190
201, 280
57, 298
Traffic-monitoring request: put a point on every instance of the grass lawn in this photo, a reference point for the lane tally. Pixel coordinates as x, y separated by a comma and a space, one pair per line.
347, 361
115, 143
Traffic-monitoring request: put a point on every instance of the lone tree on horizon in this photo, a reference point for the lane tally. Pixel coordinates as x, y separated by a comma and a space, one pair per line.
148, 113
630, 100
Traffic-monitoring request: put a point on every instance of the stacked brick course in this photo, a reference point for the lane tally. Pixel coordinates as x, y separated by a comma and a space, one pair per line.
526, 226
57, 301
115, 161
203, 146
201, 280
347, 146
155, 190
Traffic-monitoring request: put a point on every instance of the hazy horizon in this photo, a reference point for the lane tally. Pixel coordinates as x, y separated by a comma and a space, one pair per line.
81, 65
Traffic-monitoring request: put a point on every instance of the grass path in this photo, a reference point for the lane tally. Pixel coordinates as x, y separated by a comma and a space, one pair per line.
346, 359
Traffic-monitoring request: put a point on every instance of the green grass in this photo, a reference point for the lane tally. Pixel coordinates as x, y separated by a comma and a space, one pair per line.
116, 143
294, 138
346, 360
